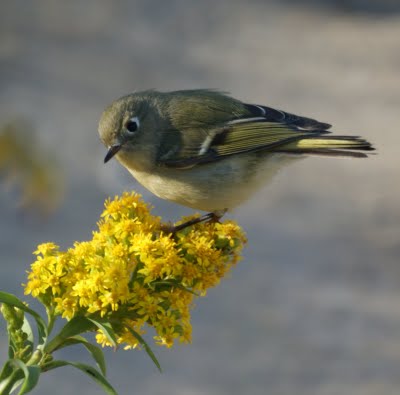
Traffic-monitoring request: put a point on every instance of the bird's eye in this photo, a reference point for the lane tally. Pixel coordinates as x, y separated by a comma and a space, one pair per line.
132, 125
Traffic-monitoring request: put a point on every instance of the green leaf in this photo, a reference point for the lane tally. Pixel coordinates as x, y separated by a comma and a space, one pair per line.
17, 383
95, 351
107, 330
31, 374
76, 326
30, 341
26, 327
134, 273
174, 283
146, 347
6, 371
89, 370
11, 347
12, 300
12, 381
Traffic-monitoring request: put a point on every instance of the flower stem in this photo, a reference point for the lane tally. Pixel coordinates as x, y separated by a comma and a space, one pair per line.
8, 383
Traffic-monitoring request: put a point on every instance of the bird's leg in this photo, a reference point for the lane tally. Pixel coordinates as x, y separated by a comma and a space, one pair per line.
214, 216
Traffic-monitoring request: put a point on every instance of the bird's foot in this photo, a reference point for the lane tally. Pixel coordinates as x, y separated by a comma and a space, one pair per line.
210, 217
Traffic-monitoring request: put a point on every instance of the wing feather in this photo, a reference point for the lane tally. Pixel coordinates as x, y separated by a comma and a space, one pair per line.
237, 138
207, 126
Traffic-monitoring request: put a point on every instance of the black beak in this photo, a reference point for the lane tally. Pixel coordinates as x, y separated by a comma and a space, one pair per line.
112, 151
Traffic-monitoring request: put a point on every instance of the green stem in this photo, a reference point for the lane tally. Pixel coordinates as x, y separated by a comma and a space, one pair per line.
7, 384
35, 358
51, 318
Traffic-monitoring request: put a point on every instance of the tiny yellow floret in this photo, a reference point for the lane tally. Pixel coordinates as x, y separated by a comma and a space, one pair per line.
134, 274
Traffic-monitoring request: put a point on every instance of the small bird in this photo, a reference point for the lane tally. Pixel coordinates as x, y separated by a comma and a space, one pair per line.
208, 151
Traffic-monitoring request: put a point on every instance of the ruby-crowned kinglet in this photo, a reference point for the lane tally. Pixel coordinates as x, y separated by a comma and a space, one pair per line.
206, 150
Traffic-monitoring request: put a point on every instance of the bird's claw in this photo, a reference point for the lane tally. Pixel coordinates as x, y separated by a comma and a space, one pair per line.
209, 217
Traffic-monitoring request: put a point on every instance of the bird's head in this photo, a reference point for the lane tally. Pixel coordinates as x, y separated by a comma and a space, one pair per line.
128, 128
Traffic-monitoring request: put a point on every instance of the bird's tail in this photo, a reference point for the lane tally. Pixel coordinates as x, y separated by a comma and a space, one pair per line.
350, 146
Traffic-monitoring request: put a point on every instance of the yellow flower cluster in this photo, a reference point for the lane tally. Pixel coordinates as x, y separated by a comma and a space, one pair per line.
134, 274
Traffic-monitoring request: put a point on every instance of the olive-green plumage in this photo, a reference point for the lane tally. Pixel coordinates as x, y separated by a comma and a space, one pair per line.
206, 150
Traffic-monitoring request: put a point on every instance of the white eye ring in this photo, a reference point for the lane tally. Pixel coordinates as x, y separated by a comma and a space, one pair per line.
132, 125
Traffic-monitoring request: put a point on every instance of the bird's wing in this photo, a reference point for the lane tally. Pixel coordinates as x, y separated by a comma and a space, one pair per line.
209, 126
235, 137
273, 115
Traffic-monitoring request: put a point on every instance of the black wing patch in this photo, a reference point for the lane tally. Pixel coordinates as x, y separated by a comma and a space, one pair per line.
273, 115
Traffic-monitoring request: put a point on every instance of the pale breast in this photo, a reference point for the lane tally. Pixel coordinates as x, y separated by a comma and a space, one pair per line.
215, 186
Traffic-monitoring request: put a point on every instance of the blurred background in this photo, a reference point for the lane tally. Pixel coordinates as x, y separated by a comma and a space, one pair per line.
314, 307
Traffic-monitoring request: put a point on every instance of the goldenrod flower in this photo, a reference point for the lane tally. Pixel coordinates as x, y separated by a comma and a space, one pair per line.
134, 274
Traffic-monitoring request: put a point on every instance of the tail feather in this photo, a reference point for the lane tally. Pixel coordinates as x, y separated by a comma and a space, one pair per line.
329, 146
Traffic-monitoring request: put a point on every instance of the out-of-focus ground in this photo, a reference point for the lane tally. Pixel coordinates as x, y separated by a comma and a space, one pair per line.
314, 308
